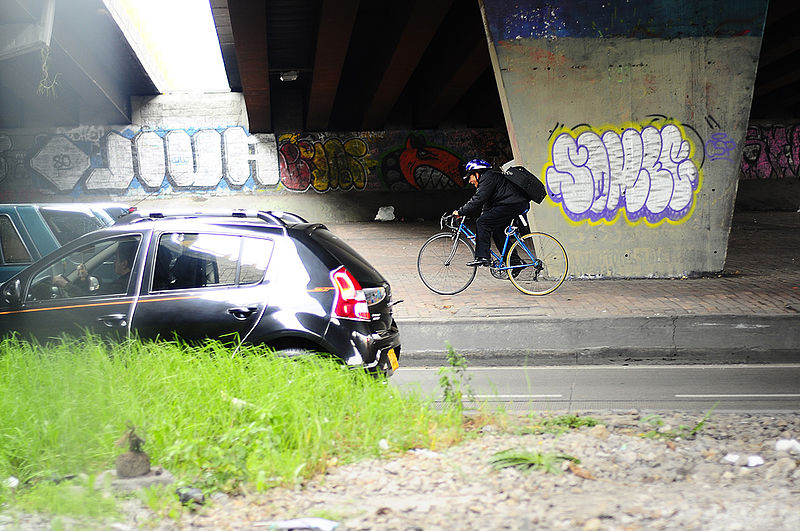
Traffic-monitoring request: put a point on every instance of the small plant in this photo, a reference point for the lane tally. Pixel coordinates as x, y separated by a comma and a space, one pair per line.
526, 460
682, 432
454, 381
557, 425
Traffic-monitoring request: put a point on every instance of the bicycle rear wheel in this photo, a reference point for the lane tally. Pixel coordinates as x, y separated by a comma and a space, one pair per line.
545, 260
441, 263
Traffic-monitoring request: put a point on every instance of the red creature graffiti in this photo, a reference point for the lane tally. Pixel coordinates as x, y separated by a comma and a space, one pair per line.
423, 166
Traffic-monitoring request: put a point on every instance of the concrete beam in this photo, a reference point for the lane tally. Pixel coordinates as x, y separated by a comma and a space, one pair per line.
335, 28
248, 20
424, 20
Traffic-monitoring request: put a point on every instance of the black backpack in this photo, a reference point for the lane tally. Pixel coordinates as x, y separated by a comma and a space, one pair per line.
529, 184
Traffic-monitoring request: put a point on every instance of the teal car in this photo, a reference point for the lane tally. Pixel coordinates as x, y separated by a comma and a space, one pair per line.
30, 231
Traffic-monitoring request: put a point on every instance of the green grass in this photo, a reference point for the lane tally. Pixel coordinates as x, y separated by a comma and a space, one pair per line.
218, 422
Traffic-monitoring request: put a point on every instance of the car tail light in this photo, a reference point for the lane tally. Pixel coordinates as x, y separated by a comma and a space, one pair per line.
374, 295
350, 301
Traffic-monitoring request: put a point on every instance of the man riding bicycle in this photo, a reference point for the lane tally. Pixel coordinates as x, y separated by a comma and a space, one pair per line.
498, 200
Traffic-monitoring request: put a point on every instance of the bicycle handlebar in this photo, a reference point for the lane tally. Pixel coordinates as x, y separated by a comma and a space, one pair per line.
447, 221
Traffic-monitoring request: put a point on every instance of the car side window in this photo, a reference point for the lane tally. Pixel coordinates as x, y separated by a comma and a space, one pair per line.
11, 245
67, 226
196, 260
100, 268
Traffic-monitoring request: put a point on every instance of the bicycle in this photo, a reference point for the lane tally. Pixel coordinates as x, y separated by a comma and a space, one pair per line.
536, 263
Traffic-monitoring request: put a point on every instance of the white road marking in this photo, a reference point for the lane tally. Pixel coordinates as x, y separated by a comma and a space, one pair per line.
765, 395
518, 396
617, 367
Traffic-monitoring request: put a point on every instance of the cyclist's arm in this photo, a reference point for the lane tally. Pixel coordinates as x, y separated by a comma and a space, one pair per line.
485, 191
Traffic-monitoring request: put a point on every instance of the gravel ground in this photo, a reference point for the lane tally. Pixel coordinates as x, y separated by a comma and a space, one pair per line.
733, 474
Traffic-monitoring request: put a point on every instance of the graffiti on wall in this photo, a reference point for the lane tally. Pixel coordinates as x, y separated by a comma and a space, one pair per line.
646, 172
322, 163
771, 152
126, 162
155, 160
419, 166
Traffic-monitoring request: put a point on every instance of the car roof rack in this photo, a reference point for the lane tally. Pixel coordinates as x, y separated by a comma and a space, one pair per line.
276, 218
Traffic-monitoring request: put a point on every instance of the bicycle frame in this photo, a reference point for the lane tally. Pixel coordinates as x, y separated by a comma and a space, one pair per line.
511, 230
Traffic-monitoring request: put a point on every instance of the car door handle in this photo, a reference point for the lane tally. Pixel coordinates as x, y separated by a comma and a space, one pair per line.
243, 313
119, 319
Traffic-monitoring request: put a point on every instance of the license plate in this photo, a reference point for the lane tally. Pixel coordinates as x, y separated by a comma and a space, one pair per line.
393, 359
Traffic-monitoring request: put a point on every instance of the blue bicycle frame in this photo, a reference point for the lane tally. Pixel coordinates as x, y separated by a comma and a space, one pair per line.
511, 230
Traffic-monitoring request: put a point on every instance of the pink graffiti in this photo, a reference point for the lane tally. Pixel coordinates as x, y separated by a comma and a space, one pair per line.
294, 170
771, 152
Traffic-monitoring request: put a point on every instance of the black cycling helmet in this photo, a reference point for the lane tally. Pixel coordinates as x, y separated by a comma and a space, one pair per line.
474, 165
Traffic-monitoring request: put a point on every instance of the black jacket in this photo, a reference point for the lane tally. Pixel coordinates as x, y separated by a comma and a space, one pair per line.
493, 190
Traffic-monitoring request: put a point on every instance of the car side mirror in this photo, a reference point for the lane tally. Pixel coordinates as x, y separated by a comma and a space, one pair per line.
12, 293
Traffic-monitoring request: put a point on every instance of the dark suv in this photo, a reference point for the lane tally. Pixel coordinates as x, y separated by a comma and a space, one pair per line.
263, 278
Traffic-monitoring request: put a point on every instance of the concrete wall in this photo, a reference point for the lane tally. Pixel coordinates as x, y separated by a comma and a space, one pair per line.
635, 113
197, 152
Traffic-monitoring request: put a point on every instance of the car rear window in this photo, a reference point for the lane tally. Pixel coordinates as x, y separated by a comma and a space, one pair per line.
13, 248
67, 225
354, 262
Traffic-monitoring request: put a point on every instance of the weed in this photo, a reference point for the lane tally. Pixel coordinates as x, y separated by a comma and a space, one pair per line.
682, 432
526, 460
454, 381
557, 425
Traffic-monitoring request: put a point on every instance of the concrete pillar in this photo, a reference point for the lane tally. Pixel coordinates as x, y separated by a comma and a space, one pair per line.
634, 114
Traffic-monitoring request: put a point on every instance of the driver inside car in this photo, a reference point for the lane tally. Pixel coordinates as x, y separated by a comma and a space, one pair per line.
87, 285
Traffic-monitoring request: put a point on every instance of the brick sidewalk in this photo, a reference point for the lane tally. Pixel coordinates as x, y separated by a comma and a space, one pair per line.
761, 277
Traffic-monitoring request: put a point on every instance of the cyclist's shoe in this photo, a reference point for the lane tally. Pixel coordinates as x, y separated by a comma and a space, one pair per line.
480, 262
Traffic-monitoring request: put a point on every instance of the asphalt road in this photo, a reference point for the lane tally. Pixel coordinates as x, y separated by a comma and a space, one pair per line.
741, 388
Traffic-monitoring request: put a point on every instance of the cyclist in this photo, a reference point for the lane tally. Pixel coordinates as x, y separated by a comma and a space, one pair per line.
498, 200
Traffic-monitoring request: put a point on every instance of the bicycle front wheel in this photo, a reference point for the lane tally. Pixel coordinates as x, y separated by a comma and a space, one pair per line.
544, 260
442, 263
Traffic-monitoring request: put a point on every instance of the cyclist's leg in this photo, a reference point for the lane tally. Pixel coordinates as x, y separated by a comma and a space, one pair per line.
493, 222
520, 221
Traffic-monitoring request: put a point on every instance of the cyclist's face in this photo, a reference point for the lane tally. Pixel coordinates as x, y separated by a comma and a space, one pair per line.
473, 179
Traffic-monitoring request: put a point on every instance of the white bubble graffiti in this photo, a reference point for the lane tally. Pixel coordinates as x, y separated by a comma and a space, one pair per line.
190, 162
648, 173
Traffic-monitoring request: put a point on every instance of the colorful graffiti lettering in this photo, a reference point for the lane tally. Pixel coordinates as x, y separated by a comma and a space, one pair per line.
322, 164
771, 152
647, 172
419, 166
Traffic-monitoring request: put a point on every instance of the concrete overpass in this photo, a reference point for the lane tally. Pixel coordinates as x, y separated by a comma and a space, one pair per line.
637, 116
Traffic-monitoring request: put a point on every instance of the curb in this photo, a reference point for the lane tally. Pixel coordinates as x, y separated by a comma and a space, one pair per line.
607, 340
